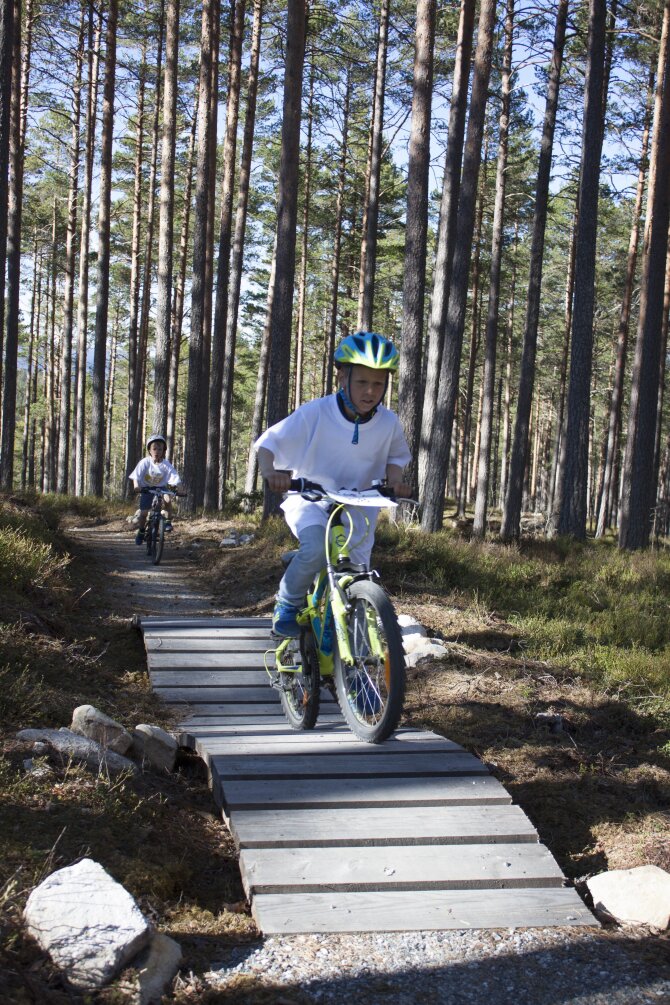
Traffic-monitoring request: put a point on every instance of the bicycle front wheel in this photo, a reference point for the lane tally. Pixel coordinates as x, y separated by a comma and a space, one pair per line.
300, 695
371, 691
158, 540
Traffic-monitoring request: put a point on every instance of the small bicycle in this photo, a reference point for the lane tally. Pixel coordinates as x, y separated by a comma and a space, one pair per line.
154, 531
350, 641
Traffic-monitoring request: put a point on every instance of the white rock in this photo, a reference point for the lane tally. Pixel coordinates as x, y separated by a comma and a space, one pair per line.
228, 542
91, 722
410, 626
638, 896
156, 966
153, 744
71, 746
89, 925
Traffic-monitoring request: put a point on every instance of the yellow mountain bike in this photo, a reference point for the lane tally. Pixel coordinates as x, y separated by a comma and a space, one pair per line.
350, 641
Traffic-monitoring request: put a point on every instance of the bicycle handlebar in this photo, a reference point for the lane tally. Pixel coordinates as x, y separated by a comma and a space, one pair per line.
304, 485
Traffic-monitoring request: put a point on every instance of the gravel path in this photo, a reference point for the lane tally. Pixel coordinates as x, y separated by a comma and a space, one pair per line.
509, 967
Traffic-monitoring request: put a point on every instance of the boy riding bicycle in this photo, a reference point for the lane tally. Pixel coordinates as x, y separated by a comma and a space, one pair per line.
154, 472
346, 440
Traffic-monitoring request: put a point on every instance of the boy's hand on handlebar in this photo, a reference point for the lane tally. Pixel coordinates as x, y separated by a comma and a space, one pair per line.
278, 481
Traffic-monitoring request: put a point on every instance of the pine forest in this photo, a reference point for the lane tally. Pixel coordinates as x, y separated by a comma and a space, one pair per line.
198, 200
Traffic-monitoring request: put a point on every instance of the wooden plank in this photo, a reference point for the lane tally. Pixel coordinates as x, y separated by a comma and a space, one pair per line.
198, 678
231, 695
151, 624
223, 709
338, 828
402, 741
303, 744
429, 910
184, 661
219, 638
398, 867
309, 793
347, 765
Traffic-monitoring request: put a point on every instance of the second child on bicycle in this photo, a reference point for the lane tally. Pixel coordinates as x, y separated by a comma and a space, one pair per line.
346, 440
153, 472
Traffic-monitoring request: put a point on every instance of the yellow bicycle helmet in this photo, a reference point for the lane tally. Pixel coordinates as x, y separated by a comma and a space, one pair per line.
368, 349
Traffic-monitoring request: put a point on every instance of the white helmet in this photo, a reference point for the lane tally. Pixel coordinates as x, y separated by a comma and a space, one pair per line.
156, 438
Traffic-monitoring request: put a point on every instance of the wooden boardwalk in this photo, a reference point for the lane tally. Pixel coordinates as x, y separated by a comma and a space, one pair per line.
336, 835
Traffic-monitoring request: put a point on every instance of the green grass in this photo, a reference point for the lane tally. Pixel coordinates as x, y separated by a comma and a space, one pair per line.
598, 612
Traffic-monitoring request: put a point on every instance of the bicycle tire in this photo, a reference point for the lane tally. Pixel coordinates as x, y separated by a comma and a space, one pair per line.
158, 540
149, 534
371, 691
300, 693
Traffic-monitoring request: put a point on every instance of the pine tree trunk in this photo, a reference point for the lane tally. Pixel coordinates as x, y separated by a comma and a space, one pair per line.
32, 361
142, 358
287, 201
461, 486
178, 299
302, 282
337, 241
371, 214
194, 448
6, 51
94, 42
572, 516
506, 404
486, 427
414, 276
436, 475
16, 165
616, 398
639, 488
166, 219
50, 374
261, 384
237, 257
446, 234
215, 448
63, 475
510, 528
97, 423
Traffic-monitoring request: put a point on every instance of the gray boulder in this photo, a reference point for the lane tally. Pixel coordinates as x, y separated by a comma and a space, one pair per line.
71, 747
156, 967
155, 746
88, 924
638, 896
91, 722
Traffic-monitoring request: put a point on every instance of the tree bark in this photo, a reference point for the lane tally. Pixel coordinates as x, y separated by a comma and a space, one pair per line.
215, 448
486, 425
436, 474
616, 398
510, 528
195, 448
337, 241
414, 276
16, 160
639, 486
237, 257
371, 214
63, 475
166, 218
97, 424
282, 301
94, 41
6, 51
572, 516
302, 282
446, 234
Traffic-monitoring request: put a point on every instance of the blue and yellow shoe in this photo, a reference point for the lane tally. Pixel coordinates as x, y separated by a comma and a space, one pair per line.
284, 621
139, 537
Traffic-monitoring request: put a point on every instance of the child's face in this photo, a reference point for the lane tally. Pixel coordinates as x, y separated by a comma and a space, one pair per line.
366, 387
157, 451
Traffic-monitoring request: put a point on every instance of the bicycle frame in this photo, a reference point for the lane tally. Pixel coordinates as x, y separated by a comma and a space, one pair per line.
327, 603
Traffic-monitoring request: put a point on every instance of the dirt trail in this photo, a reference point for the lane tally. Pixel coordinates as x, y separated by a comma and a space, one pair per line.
132, 583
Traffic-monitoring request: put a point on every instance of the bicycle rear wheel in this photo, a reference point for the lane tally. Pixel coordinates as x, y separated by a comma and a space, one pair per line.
158, 540
371, 691
299, 694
